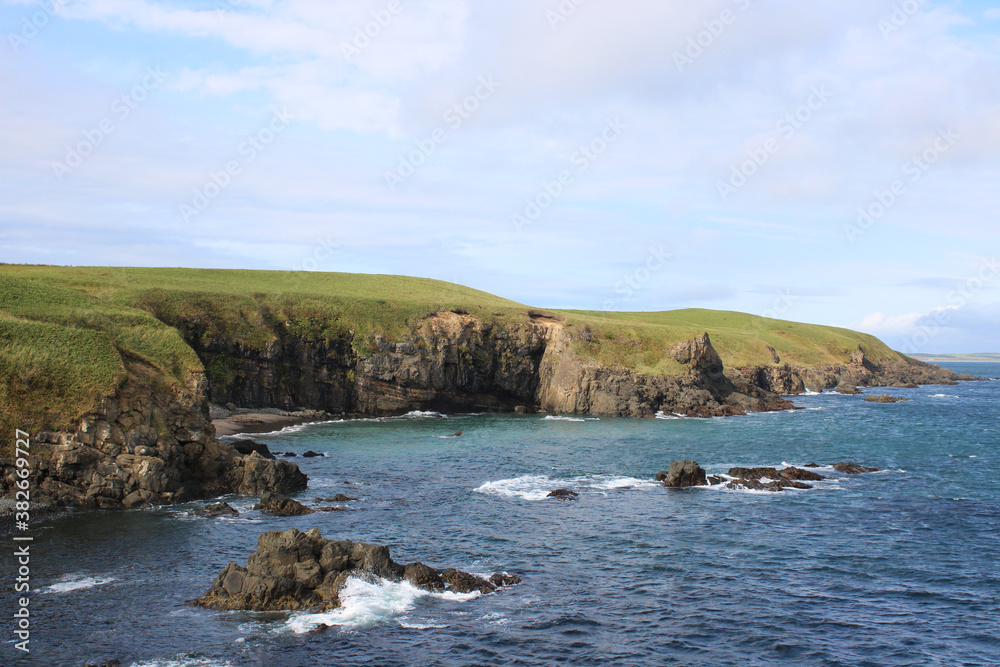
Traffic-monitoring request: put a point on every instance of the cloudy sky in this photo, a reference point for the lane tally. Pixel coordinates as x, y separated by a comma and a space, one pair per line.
821, 161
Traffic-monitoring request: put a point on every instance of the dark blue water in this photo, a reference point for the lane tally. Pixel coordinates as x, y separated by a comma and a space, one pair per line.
898, 567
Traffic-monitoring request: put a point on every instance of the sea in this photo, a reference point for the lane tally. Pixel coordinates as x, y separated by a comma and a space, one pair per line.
895, 567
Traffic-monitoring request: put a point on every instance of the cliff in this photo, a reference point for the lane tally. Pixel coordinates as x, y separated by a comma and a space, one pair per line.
112, 373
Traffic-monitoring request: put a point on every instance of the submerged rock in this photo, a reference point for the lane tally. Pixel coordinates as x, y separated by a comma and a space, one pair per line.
311, 454
852, 468
562, 494
292, 570
790, 477
683, 474
885, 398
216, 510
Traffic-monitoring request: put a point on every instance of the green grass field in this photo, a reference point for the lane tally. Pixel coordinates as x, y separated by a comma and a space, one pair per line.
67, 332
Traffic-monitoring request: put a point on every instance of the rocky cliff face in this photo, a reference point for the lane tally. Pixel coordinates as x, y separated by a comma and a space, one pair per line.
860, 372
451, 362
145, 445
454, 362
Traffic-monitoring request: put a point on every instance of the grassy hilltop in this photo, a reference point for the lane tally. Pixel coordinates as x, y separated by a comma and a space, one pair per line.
66, 333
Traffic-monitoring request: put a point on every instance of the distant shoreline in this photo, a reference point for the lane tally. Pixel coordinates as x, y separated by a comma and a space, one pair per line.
984, 358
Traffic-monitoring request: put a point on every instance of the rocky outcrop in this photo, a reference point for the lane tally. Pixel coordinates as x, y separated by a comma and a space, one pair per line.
293, 570
562, 494
245, 447
146, 445
570, 384
885, 398
682, 474
853, 468
860, 372
279, 505
753, 478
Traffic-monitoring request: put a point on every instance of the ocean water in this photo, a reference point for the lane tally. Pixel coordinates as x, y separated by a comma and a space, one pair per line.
899, 567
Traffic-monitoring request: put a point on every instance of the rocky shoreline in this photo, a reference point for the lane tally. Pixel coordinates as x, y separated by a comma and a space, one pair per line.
149, 445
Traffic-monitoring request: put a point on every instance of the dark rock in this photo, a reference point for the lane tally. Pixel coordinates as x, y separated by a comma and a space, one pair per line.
715, 479
683, 474
812, 465
216, 510
500, 580
800, 474
293, 570
339, 498
853, 468
279, 505
290, 454
109, 663
754, 473
455, 435
885, 398
849, 389
246, 447
562, 494
311, 454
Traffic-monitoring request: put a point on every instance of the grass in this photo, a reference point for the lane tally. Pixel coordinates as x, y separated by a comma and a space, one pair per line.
67, 331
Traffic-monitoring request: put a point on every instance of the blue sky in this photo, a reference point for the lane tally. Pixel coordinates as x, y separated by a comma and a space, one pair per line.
637, 155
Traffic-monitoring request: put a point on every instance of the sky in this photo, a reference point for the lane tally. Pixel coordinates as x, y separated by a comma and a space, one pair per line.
825, 162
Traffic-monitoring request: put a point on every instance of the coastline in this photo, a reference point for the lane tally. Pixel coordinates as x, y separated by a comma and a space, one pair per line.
262, 421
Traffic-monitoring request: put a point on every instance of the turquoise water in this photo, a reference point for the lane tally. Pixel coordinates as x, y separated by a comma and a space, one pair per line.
897, 567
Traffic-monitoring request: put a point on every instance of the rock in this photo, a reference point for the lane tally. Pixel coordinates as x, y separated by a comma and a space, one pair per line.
853, 468
455, 435
520, 410
279, 505
715, 479
800, 474
885, 398
339, 498
562, 494
216, 510
754, 473
246, 447
683, 474
290, 454
292, 570
812, 465
109, 663
848, 389
502, 579
311, 454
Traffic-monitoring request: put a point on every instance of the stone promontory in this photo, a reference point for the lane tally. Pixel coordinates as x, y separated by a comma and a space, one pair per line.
292, 570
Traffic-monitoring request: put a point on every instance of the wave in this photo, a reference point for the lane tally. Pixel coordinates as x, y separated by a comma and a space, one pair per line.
537, 487
809, 392
421, 414
364, 604
77, 584
185, 660
660, 414
558, 418
943, 396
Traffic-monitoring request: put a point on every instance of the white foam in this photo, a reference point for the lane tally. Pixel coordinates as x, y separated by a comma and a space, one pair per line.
538, 487
943, 396
77, 584
420, 414
364, 604
558, 418
419, 626
185, 661
808, 392
673, 415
